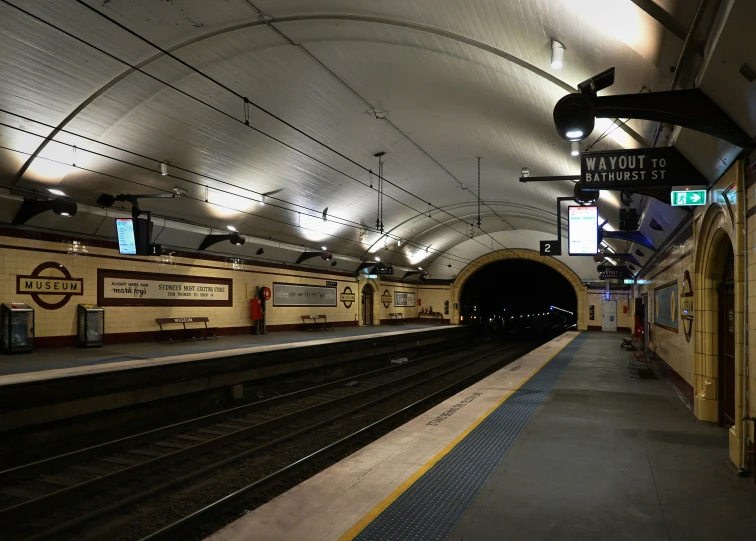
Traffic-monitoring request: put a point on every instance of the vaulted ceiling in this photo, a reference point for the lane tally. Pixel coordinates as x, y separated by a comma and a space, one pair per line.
94, 95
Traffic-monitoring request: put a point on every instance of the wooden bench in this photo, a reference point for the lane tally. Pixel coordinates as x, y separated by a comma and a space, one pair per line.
309, 323
641, 357
324, 320
397, 318
187, 333
629, 342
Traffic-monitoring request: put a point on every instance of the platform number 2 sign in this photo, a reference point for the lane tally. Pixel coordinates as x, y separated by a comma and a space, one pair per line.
551, 247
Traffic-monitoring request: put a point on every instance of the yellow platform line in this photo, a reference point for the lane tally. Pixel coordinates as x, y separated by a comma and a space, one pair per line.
378, 509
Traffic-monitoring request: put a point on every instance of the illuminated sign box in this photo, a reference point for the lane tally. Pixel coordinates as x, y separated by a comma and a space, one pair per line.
684, 197
582, 230
126, 237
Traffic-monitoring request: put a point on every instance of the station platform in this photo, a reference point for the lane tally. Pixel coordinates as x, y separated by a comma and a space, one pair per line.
134, 383
47, 363
561, 444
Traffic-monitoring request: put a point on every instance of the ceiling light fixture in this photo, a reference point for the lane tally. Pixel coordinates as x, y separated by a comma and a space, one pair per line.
56, 192
377, 258
164, 168
575, 151
419, 268
262, 199
231, 228
557, 55
324, 248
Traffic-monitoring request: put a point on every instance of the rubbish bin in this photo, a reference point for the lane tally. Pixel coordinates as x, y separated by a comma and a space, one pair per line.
16, 327
91, 326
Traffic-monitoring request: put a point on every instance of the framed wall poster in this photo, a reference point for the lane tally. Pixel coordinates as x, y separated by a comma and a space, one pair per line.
129, 288
666, 300
404, 299
304, 295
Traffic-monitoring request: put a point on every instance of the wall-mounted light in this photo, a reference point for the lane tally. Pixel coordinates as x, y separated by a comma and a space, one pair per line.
557, 55
324, 248
32, 207
233, 237
55, 191
164, 168
231, 228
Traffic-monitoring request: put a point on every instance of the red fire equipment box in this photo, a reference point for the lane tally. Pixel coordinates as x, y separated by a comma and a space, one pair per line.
255, 310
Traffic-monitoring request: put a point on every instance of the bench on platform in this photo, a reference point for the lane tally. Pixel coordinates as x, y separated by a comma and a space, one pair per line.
629, 342
642, 358
397, 318
309, 323
324, 322
187, 332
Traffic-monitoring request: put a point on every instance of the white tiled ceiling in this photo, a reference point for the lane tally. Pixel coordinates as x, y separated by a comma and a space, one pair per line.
434, 84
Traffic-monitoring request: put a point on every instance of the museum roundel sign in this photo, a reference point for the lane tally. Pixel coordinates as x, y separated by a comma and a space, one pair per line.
686, 306
386, 298
347, 297
57, 282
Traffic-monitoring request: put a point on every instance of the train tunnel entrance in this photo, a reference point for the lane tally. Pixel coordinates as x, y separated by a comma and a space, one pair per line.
514, 294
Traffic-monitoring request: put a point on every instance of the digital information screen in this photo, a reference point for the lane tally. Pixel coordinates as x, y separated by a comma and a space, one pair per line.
582, 232
126, 239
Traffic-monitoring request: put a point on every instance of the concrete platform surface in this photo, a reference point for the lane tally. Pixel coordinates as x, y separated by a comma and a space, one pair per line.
62, 362
600, 456
609, 457
353, 491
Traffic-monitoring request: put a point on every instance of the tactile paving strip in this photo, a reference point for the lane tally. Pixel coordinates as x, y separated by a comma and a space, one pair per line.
432, 506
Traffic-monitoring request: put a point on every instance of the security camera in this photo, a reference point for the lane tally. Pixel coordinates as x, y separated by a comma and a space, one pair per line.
525, 172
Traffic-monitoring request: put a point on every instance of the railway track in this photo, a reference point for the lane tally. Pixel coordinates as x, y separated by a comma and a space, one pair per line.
132, 487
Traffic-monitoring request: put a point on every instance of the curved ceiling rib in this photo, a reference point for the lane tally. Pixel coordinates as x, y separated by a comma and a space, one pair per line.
299, 18
528, 213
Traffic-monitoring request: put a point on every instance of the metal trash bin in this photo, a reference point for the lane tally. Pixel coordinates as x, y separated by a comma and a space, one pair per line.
16, 327
91, 326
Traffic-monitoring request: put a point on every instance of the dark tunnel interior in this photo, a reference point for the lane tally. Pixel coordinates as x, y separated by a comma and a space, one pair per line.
516, 294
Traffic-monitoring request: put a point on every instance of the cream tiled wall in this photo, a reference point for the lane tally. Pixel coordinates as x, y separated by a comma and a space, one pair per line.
595, 297
672, 346
82, 261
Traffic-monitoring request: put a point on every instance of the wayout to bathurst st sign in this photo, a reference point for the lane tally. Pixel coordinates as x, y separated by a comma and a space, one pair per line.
642, 167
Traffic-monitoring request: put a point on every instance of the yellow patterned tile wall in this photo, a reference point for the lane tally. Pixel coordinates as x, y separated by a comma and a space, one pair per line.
22, 256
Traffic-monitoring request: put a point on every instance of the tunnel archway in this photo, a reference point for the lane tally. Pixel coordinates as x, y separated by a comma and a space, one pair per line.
519, 254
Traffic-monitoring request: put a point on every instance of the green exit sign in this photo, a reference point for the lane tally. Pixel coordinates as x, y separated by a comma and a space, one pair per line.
688, 198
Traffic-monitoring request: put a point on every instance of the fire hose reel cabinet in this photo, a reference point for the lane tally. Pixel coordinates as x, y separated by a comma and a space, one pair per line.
255, 310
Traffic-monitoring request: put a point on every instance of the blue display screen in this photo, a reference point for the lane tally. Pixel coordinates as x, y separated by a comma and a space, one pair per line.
126, 240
